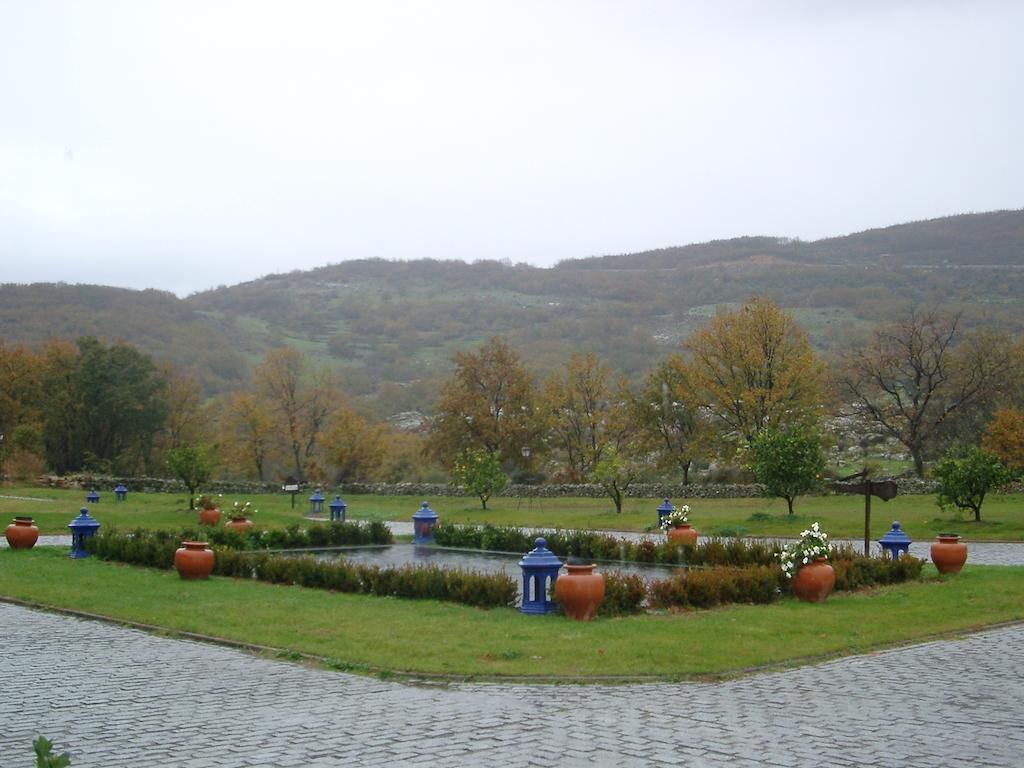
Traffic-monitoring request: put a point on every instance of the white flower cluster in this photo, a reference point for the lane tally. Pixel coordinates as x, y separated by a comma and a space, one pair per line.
676, 517
239, 509
812, 543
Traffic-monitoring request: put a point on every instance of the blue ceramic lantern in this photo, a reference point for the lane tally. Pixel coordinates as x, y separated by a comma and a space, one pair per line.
423, 523
92, 497
82, 528
664, 511
120, 493
316, 503
338, 508
540, 571
895, 542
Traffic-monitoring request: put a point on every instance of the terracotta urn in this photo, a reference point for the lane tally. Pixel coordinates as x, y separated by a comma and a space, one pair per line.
209, 516
194, 560
949, 553
239, 524
683, 534
814, 581
22, 533
580, 592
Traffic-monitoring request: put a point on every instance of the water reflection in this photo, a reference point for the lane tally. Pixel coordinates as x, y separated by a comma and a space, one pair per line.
393, 555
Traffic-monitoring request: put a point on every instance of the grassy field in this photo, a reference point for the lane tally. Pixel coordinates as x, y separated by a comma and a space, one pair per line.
840, 516
389, 635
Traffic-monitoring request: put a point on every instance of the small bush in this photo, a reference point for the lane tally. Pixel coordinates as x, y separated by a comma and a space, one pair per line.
624, 593
708, 587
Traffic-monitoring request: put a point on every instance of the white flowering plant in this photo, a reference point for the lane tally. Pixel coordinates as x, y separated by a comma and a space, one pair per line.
240, 509
812, 543
676, 517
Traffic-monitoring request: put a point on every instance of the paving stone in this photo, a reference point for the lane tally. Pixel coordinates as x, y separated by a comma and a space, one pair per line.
114, 696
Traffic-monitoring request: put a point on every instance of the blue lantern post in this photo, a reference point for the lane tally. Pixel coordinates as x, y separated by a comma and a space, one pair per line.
896, 541
82, 528
120, 493
540, 571
664, 511
92, 497
316, 503
423, 523
338, 508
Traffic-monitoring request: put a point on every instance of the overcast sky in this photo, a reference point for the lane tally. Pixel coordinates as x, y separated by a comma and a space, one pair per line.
181, 145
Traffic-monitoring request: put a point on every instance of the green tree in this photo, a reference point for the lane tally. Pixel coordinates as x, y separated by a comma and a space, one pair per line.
788, 462
193, 464
105, 407
616, 471
480, 472
966, 475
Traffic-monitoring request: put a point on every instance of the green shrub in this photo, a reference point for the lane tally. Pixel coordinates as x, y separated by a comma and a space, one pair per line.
156, 549
708, 587
624, 593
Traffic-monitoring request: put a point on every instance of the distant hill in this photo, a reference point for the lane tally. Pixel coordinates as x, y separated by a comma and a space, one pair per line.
390, 328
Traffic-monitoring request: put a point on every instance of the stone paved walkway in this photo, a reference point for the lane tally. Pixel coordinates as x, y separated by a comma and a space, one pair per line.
119, 697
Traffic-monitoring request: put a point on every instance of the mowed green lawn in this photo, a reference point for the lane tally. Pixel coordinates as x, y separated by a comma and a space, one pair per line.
389, 635
840, 516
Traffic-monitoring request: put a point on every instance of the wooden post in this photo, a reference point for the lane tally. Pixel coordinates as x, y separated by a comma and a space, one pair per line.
867, 518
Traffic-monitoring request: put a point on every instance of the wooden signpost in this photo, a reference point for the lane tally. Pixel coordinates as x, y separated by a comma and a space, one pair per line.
883, 489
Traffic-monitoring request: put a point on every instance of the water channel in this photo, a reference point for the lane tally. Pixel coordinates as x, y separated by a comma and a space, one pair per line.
481, 561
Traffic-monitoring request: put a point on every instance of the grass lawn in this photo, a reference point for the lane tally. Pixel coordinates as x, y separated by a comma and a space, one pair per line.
389, 635
840, 516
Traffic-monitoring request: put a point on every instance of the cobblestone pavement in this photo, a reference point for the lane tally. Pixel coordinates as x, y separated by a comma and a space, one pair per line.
117, 697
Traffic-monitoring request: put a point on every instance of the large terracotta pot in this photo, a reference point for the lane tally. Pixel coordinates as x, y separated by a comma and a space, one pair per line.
948, 553
683, 534
814, 581
194, 560
209, 516
240, 524
22, 533
580, 592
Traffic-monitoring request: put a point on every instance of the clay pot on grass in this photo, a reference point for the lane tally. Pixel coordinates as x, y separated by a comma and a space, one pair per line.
814, 582
580, 592
22, 533
194, 560
948, 553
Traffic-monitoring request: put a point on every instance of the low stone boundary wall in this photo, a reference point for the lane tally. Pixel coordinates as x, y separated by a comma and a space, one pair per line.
907, 486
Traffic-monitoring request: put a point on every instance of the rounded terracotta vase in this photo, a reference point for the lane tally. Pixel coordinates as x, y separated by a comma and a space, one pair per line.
949, 553
194, 560
22, 533
240, 524
814, 581
209, 516
683, 534
580, 592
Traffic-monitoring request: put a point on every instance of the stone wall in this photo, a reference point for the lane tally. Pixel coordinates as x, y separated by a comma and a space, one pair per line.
907, 486
106, 483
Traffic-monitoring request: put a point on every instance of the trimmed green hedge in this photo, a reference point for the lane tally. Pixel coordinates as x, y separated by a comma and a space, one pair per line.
588, 545
156, 549
332, 534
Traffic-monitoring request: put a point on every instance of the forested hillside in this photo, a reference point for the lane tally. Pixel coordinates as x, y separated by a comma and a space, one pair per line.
389, 329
